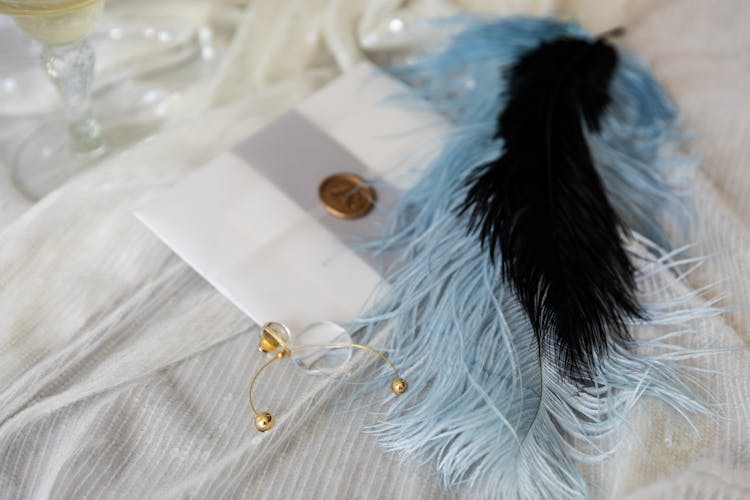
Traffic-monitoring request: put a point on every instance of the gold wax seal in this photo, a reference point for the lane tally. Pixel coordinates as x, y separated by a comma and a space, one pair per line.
346, 196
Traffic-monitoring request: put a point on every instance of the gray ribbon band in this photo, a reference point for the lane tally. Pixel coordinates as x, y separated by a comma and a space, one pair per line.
296, 155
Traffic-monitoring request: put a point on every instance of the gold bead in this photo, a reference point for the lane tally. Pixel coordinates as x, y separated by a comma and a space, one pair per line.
399, 386
264, 421
274, 339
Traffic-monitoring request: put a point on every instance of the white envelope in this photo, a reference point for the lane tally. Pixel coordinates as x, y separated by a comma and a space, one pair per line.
250, 221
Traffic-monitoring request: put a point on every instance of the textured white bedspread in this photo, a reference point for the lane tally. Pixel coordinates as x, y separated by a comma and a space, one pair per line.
124, 375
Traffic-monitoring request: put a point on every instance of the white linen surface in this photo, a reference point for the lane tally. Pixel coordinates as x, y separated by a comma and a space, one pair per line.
124, 375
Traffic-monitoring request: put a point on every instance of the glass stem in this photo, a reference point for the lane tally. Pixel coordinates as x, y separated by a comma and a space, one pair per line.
71, 69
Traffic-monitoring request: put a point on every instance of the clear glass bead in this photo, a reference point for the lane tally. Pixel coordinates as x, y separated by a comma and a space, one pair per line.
322, 348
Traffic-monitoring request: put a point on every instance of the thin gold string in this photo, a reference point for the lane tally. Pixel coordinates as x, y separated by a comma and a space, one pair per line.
355, 346
334, 345
255, 378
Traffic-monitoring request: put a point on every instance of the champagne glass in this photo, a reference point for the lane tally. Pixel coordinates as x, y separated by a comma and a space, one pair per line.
55, 152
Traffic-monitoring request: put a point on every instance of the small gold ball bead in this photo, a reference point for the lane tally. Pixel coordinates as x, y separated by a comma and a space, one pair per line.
399, 386
264, 421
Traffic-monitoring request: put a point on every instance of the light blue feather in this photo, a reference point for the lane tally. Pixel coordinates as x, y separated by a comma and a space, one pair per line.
483, 406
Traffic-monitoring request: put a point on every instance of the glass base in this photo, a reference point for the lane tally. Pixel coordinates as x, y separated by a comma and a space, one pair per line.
150, 70
44, 160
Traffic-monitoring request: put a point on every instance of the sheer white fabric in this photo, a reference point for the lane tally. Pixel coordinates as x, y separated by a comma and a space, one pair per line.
124, 375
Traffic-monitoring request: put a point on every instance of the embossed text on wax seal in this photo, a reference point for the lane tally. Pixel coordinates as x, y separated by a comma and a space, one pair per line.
346, 196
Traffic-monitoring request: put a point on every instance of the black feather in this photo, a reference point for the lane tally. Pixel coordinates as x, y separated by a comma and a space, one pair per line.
543, 205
